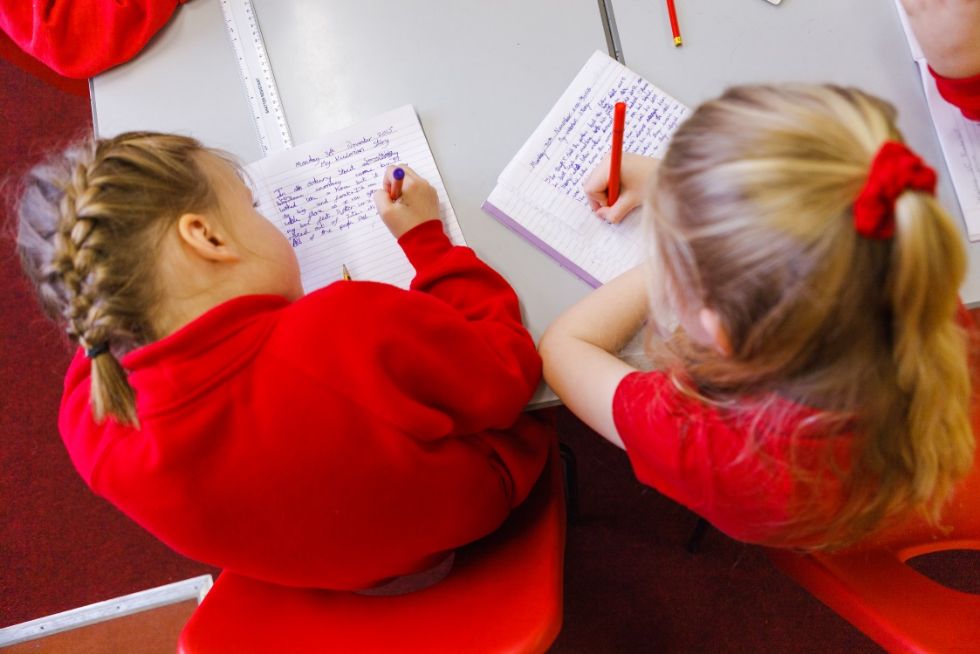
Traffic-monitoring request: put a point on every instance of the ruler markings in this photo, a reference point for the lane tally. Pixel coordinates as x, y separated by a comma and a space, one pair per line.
258, 82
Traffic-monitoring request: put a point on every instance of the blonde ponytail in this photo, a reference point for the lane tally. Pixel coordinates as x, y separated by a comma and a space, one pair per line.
753, 216
89, 222
931, 368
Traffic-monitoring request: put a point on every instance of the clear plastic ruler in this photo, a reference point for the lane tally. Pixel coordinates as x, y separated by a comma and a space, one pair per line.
259, 83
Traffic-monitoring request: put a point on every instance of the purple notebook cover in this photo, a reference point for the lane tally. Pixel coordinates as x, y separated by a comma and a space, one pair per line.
517, 228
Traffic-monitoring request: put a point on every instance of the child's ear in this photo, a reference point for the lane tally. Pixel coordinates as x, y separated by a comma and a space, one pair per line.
716, 331
200, 233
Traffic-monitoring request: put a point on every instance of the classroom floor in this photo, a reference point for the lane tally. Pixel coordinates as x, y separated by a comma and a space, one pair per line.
630, 584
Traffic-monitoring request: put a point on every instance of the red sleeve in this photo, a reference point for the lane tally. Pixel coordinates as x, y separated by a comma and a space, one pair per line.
82, 38
481, 364
662, 437
449, 357
963, 92
688, 451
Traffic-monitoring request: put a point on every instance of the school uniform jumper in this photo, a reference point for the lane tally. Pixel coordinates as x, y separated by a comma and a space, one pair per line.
354, 435
961, 92
733, 467
82, 38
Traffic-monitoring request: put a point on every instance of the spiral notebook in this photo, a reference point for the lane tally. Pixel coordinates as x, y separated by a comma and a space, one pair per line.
319, 195
539, 194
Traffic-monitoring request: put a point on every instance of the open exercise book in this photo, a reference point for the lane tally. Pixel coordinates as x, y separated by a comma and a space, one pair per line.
539, 194
319, 195
959, 138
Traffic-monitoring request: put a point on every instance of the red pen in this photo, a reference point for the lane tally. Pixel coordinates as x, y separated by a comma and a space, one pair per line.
674, 27
616, 154
396, 185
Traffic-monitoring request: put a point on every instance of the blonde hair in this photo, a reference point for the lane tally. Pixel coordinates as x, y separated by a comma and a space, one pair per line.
90, 219
752, 218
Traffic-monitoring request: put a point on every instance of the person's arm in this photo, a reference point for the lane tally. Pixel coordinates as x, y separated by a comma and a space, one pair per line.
580, 349
469, 355
81, 38
453, 274
949, 33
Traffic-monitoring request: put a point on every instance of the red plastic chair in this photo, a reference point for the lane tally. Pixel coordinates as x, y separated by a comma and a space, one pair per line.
871, 586
504, 594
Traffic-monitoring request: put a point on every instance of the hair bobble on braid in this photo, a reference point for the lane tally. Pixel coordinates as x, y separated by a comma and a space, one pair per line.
101, 348
894, 170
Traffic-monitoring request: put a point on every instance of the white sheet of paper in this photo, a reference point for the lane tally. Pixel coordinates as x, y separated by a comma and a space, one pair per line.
540, 190
319, 194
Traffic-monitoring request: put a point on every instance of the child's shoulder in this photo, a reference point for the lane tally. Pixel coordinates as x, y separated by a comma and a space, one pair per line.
358, 315
646, 394
352, 302
659, 401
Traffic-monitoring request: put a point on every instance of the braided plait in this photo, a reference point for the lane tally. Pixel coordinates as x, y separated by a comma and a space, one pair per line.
88, 219
79, 262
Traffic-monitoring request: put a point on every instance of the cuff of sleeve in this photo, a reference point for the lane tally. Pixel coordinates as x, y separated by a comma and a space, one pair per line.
425, 243
962, 92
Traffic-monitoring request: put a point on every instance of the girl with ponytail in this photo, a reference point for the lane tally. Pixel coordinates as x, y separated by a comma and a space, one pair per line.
814, 386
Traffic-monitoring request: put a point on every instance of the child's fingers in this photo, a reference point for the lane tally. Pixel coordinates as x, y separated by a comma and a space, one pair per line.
596, 184
617, 212
387, 178
597, 199
411, 180
382, 200
410, 173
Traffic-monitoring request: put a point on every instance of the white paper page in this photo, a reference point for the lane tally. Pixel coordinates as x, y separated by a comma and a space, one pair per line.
960, 140
909, 35
958, 137
541, 188
319, 195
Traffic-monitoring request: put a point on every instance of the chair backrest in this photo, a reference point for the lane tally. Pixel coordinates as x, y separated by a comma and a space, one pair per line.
871, 586
959, 528
504, 594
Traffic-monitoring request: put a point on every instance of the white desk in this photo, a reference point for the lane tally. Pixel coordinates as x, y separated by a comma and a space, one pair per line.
480, 74
483, 74
847, 42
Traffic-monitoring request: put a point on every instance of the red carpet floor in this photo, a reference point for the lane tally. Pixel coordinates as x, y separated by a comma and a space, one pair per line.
60, 546
631, 586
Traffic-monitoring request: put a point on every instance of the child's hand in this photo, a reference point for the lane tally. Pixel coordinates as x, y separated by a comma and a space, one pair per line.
418, 202
949, 33
633, 176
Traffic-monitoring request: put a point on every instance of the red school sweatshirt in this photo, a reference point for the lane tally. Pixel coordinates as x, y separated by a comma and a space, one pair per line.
353, 435
963, 93
82, 38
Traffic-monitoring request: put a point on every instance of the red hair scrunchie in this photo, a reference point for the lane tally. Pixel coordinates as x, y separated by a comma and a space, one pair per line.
895, 169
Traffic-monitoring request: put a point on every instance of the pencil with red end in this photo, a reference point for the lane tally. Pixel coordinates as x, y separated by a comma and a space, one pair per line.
397, 175
674, 27
616, 154
345, 273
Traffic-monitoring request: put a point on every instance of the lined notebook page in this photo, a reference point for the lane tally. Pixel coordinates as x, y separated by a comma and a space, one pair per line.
319, 195
539, 193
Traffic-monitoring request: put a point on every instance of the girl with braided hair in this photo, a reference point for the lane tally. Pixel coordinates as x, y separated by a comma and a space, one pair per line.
338, 439
817, 386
